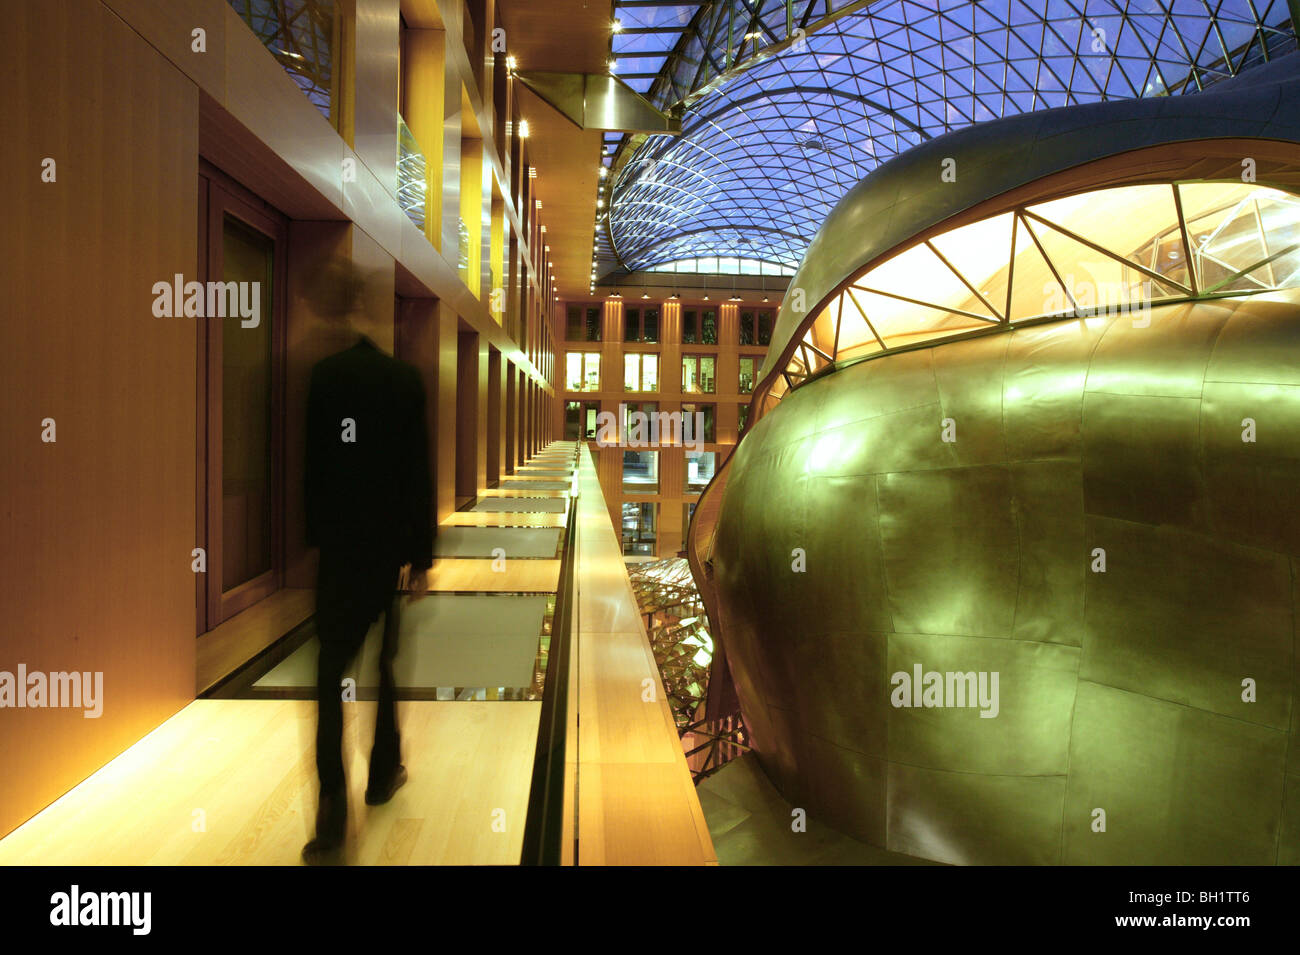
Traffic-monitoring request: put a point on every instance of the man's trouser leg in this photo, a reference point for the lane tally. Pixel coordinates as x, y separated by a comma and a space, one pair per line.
336, 651
386, 755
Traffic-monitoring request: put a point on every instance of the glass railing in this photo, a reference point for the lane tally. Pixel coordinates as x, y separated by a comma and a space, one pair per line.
301, 35
412, 175
545, 820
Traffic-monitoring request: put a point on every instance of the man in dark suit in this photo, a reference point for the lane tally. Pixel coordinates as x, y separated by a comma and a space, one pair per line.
367, 493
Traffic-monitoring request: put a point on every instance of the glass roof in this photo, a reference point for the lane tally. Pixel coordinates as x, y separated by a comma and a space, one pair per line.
777, 131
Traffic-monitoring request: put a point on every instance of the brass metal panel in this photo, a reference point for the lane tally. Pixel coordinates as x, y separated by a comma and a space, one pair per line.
970, 388
1156, 625
1179, 786
780, 624
782, 758
877, 388
949, 541
1258, 341
845, 576
1141, 459
849, 786
1293, 755
1053, 565
968, 818
1028, 735
1245, 480
801, 421
1288, 849
1163, 351
1043, 377
906, 440
838, 667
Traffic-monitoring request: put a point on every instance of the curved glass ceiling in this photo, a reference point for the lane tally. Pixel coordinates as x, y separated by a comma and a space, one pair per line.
770, 147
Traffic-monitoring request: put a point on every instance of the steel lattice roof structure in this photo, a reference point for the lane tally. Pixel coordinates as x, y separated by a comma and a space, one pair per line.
788, 103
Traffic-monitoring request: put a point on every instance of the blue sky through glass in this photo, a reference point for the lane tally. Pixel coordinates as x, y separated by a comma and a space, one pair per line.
768, 151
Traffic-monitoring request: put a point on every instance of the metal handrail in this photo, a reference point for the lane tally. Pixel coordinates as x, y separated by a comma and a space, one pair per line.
544, 823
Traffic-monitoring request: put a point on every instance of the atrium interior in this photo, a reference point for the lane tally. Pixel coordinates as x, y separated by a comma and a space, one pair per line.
881, 414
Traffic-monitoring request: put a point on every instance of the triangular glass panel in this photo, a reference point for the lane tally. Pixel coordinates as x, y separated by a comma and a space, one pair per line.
855, 336
1034, 289
1098, 280
922, 275
904, 323
980, 252
1226, 233
1136, 223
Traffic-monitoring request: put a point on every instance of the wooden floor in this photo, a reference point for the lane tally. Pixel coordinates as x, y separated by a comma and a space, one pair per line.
503, 519
233, 782
476, 575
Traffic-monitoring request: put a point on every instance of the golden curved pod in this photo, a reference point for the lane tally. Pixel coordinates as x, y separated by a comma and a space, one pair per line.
947, 507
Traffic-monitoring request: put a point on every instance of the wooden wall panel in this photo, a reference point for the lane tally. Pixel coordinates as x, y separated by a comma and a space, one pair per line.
467, 414
511, 439
309, 338
494, 434
445, 476
97, 526
417, 343
369, 256
481, 411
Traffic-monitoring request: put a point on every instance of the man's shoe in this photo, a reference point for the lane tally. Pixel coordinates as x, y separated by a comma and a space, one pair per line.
378, 795
331, 827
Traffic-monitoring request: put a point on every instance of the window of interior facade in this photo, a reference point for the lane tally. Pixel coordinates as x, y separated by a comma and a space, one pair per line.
698, 374
700, 468
641, 325
747, 368
582, 371
641, 472
582, 323
641, 372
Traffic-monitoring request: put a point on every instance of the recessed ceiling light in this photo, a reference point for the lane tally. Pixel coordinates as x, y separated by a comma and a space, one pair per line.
511, 63
523, 129
617, 26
